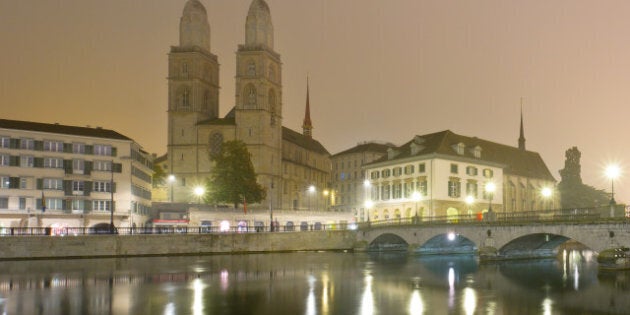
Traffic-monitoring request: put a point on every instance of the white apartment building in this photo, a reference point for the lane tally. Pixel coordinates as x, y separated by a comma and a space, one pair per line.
447, 175
75, 173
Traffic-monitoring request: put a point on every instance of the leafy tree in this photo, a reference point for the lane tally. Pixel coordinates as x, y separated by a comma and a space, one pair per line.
232, 179
573, 193
159, 176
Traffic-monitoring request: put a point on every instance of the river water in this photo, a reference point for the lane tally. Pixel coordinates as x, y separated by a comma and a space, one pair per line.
312, 283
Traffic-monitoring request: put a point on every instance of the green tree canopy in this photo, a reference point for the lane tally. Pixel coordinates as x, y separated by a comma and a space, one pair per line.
232, 179
573, 193
159, 176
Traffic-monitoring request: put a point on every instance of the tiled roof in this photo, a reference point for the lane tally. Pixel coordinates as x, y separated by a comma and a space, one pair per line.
61, 129
517, 162
303, 141
367, 147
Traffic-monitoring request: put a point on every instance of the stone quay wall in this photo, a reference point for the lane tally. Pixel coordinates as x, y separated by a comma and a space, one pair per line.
95, 246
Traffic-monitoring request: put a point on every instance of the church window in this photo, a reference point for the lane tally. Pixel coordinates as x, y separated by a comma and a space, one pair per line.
216, 143
272, 107
250, 96
251, 68
185, 98
206, 99
272, 74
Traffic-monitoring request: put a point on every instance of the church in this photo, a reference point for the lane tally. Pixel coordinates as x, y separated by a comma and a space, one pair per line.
293, 167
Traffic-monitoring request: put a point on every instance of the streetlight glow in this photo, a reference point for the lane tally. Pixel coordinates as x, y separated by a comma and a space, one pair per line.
416, 196
199, 191
366, 183
369, 204
491, 187
469, 200
612, 171
546, 192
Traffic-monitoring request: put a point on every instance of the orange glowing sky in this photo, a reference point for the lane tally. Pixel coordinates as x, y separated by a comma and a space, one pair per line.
379, 70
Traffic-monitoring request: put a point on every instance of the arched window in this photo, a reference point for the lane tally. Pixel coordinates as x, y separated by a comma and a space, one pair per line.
250, 96
216, 143
206, 99
272, 74
251, 68
184, 97
272, 106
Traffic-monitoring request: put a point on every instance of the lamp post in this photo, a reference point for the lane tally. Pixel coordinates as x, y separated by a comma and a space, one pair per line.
368, 206
199, 192
311, 191
490, 188
171, 180
546, 192
469, 201
111, 206
612, 172
416, 196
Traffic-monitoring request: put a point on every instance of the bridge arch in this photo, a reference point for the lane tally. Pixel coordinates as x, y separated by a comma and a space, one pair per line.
448, 243
388, 242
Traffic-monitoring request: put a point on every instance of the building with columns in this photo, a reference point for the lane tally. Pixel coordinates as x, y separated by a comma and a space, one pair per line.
446, 175
286, 162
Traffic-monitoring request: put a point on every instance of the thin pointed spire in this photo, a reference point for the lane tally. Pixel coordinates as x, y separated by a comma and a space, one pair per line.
521, 138
307, 126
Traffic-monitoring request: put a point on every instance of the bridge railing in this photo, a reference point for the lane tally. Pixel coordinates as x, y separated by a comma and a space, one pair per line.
74, 231
581, 215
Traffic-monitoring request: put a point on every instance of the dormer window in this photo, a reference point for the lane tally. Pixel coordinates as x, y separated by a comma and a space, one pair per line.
391, 153
460, 148
477, 152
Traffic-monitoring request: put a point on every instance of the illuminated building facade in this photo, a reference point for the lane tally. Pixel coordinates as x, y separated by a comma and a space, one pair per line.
75, 173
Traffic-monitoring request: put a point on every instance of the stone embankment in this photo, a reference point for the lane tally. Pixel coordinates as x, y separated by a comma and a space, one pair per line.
93, 246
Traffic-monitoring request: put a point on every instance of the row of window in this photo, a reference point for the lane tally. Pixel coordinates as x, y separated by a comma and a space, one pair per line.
56, 146
410, 169
74, 166
74, 186
61, 204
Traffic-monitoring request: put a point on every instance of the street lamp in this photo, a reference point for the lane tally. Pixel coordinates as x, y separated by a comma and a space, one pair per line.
612, 172
416, 196
311, 190
490, 188
368, 205
199, 192
469, 201
171, 180
546, 192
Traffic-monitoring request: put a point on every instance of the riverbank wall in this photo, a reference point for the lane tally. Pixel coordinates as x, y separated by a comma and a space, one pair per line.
96, 246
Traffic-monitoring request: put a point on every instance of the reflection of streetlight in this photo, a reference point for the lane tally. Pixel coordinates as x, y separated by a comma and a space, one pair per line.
612, 172
490, 188
199, 191
171, 180
469, 201
326, 193
546, 192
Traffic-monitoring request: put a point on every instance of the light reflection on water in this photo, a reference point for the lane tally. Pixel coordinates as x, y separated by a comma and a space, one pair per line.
311, 283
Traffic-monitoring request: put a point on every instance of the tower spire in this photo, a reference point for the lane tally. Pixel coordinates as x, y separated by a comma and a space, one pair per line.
521, 138
307, 126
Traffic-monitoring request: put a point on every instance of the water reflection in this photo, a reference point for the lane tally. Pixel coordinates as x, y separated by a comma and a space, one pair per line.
311, 283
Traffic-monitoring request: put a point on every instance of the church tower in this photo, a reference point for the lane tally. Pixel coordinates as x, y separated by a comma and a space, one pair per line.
521, 138
258, 106
193, 96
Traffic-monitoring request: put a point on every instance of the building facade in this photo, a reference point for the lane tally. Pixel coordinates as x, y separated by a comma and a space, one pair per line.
349, 188
446, 175
286, 162
64, 176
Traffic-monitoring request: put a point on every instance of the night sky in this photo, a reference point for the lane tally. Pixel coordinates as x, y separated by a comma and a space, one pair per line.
379, 70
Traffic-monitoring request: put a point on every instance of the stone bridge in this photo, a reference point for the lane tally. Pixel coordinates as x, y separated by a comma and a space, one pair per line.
515, 240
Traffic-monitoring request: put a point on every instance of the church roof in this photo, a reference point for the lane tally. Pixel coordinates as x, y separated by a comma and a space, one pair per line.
367, 147
97, 132
303, 141
228, 120
517, 162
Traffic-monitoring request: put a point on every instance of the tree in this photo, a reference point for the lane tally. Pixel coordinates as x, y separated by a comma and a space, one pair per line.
159, 176
573, 193
232, 179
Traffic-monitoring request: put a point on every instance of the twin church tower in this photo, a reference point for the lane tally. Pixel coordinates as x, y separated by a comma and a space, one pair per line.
287, 162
